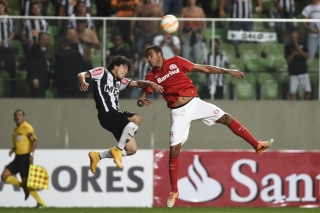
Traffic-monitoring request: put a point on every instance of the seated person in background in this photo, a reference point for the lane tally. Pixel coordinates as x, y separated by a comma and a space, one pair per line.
80, 11
83, 40
170, 44
296, 52
192, 32
213, 85
33, 27
118, 48
67, 65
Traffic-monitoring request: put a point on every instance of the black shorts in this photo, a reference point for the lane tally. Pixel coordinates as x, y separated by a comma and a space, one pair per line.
20, 164
115, 121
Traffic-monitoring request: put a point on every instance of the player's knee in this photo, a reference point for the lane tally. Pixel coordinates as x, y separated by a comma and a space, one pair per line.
132, 151
137, 119
175, 150
4, 176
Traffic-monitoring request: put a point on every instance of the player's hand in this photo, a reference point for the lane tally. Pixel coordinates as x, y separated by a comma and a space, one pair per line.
236, 73
156, 87
10, 152
83, 86
31, 159
143, 102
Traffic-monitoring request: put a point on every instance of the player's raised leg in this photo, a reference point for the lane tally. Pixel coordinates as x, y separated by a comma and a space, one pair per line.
238, 129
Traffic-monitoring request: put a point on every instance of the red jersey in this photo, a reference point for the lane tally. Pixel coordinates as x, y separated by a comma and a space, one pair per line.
172, 77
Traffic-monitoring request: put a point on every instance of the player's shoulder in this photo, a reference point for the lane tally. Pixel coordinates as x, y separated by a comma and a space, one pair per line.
27, 126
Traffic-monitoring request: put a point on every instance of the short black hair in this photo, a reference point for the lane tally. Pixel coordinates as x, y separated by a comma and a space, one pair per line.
117, 34
215, 40
157, 49
19, 110
294, 29
119, 60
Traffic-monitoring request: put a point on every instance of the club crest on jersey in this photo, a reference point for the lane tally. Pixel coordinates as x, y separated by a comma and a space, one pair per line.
111, 89
173, 70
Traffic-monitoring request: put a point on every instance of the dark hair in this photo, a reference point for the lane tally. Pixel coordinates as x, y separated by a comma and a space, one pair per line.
65, 41
294, 29
18, 110
157, 49
215, 40
119, 60
81, 21
41, 34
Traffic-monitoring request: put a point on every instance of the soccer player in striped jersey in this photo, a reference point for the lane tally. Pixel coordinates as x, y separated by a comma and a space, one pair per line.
122, 124
24, 144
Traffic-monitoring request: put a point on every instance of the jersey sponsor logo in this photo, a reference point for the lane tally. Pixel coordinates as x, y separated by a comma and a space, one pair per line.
97, 72
125, 81
173, 70
111, 89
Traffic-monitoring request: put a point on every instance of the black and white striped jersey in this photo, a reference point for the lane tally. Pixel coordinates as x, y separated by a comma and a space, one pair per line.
288, 5
106, 89
6, 28
33, 27
241, 9
220, 60
70, 5
73, 22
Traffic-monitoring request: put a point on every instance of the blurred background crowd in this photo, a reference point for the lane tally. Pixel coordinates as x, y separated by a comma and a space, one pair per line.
39, 57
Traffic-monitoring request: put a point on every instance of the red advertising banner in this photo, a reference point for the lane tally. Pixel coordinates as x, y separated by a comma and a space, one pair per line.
240, 178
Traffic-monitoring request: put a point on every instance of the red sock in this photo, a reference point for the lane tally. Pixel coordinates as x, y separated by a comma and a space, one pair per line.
173, 172
238, 129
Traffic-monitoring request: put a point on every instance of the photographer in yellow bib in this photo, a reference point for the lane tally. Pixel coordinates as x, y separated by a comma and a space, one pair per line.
24, 144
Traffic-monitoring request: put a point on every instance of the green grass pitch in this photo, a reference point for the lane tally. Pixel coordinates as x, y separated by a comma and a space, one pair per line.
160, 210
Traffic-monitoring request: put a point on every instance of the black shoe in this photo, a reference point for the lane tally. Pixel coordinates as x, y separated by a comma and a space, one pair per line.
40, 206
26, 193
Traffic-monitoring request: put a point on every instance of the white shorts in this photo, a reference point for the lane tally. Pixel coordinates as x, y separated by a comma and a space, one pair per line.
182, 117
303, 80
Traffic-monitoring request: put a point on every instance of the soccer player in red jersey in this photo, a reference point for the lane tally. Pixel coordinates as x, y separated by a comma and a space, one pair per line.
182, 98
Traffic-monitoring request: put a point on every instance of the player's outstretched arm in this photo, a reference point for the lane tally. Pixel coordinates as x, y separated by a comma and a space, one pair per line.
83, 85
217, 70
143, 100
145, 84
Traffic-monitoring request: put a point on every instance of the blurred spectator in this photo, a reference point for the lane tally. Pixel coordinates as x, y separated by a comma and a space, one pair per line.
192, 32
172, 6
6, 54
80, 11
118, 48
103, 8
56, 6
312, 11
69, 63
33, 27
170, 44
283, 9
213, 85
83, 40
206, 5
145, 31
140, 69
38, 69
67, 8
240, 9
296, 53
124, 8
25, 7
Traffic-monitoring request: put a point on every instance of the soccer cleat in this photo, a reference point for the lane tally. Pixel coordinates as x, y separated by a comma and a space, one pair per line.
26, 193
117, 156
172, 199
263, 145
94, 159
41, 206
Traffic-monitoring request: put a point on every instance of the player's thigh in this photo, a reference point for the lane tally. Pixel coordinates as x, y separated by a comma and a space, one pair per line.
180, 125
131, 147
207, 112
11, 169
5, 173
305, 82
24, 165
294, 84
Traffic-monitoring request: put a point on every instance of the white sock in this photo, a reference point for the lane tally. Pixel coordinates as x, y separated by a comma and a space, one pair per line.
106, 154
127, 133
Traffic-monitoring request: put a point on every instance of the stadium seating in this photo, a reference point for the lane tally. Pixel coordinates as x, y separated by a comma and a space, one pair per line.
269, 86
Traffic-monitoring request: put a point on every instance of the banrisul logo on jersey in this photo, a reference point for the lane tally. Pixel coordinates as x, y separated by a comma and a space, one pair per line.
240, 178
173, 70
